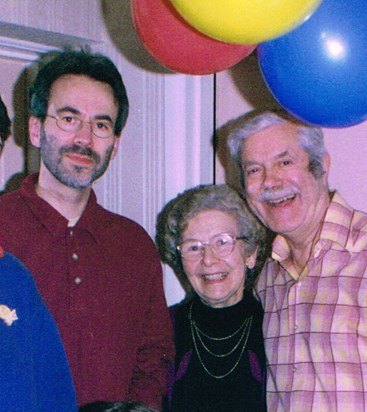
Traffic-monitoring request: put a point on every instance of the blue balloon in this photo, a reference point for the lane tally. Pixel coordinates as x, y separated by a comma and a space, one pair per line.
318, 72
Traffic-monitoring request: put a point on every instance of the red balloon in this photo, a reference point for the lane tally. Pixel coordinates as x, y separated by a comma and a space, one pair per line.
177, 45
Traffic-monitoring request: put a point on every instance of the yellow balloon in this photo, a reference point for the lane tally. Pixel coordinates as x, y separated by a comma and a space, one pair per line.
245, 21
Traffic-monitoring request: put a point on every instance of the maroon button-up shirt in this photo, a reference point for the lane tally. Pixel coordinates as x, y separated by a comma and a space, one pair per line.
102, 281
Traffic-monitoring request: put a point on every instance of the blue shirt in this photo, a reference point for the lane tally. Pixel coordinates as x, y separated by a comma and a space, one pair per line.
34, 373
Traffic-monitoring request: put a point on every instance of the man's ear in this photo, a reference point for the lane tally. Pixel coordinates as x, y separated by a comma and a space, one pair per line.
115, 145
34, 127
326, 167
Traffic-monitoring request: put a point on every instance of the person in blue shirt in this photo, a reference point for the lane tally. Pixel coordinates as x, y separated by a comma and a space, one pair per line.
34, 372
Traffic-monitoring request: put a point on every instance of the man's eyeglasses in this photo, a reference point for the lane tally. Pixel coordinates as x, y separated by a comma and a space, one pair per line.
71, 123
221, 245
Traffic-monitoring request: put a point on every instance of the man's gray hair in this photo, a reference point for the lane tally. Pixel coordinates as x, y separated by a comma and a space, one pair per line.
311, 138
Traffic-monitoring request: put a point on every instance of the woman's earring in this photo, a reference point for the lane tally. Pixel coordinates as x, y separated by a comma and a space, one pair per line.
250, 261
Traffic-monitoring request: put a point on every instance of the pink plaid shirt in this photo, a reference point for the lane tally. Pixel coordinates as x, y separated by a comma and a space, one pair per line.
315, 323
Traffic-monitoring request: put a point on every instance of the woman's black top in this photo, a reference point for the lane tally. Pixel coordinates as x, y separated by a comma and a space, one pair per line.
202, 382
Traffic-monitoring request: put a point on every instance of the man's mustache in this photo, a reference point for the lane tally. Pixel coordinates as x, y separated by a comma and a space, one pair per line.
85, 151
275, 194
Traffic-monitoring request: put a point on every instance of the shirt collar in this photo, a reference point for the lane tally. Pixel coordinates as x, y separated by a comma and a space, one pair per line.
336, 228
344, 225
50, 217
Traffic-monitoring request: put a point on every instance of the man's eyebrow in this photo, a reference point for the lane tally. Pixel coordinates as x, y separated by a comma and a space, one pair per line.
282, 154
75, 111
68, 109
277, 156
250, 163
103, 117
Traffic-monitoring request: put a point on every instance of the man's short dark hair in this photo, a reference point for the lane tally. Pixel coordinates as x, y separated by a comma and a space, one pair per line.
81, 62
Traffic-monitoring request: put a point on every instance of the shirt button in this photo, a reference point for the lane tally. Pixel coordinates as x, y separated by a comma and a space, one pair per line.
77, 281
294, 369
75, 256
71, 233
295, 327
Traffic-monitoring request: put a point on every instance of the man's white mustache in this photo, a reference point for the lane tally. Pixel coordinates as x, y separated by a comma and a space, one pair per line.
277, 194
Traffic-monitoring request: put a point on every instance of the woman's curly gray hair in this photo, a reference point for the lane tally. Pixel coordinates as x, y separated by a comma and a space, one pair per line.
175, 216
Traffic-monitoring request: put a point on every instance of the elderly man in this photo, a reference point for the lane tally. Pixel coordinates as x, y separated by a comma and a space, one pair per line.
314, 289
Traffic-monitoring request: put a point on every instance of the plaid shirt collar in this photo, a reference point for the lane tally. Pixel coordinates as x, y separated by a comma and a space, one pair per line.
335, 229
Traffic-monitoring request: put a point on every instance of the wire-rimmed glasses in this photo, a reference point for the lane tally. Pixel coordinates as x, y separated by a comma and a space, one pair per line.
221, 245
72, 123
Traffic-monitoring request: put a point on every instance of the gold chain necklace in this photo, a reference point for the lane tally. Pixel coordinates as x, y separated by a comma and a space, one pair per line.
196, 333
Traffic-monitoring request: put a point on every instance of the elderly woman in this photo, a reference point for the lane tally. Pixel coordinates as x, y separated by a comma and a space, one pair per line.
207, 235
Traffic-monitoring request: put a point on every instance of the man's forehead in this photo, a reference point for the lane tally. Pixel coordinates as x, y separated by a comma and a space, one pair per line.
82, 93
272, 142
280, 134
79, 81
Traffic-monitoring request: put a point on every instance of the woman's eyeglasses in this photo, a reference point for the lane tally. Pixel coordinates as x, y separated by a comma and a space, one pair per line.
221, 245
